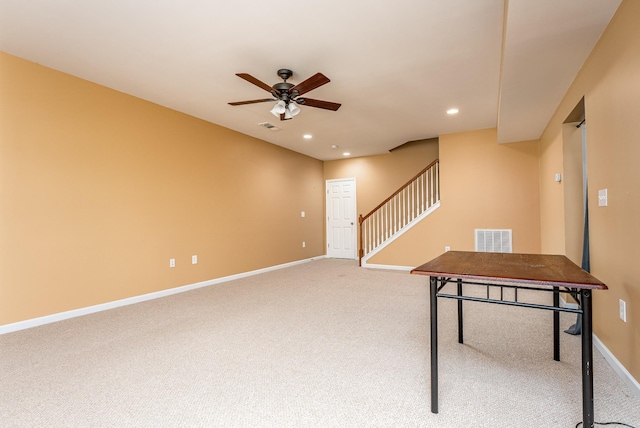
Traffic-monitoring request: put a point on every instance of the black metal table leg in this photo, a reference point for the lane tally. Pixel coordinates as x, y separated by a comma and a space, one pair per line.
460, 335
556, 324
587, 359
434, 344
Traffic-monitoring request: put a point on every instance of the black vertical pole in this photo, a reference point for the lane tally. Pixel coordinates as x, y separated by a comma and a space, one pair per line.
434, 344
556, 324
460, 335
587, 359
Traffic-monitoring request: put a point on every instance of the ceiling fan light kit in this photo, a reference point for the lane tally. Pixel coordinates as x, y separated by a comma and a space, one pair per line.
279, 108
294, 109
286, 94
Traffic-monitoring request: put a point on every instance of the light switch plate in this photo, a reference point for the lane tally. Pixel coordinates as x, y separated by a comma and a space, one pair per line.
623, 310
602, 198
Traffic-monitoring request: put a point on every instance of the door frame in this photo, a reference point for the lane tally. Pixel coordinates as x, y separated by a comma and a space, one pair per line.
327, 214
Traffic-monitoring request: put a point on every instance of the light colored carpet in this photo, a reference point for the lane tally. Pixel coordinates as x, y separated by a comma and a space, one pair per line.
322, 344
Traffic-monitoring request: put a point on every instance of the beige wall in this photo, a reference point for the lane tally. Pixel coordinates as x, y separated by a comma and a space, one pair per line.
483, 185
610, 84
98, 190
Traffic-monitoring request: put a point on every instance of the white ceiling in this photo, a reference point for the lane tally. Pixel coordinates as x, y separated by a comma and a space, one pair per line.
395, 66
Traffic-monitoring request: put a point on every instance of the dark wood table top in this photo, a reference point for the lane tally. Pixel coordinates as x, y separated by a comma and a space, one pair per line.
540, 269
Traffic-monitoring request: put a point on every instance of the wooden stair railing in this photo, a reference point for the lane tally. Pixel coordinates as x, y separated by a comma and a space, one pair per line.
394, 213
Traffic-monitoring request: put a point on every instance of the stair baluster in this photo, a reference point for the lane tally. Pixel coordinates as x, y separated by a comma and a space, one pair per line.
396, 212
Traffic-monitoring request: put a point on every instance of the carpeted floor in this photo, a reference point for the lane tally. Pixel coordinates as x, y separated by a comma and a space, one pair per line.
322, 344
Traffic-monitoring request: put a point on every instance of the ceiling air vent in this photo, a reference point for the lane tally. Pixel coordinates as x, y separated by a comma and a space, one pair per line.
269, 126
494, 240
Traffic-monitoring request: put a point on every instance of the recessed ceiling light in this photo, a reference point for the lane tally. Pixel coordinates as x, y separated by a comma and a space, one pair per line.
346, 154
307, 136
452, 111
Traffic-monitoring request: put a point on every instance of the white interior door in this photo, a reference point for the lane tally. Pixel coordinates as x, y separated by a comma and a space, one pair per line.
341, 219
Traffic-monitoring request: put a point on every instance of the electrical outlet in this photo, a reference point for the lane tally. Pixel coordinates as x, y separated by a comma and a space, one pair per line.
623, 310
304, 244
447, 248
172, 263
194, 260
302, 214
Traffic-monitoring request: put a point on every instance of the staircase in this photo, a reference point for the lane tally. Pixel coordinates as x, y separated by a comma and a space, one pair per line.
418, 198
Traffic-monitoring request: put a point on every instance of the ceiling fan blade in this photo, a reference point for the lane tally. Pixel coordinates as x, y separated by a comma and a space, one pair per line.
327, 105
311, 83
239, 103
249, 78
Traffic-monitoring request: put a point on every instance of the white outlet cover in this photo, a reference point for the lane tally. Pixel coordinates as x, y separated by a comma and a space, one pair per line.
172, 262
302, 214
194, 260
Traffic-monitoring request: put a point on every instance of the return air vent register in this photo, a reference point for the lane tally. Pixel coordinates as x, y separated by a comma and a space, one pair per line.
269, 126
494, 240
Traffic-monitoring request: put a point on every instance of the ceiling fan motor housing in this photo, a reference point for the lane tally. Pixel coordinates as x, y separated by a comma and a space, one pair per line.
282, 89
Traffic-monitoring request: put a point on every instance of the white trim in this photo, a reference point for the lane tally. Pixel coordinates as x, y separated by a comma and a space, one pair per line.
624, 374
47, 319
399, 233
617, 367
564, 304
388, 267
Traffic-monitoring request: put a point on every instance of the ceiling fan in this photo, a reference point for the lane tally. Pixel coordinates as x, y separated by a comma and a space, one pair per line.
287, 94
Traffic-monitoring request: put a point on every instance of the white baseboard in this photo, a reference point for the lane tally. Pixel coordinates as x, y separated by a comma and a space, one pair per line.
387, 267
35, 322
624, 374
617, 367
564, 304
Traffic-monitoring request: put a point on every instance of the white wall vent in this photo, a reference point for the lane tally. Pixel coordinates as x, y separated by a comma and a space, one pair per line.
494, 240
